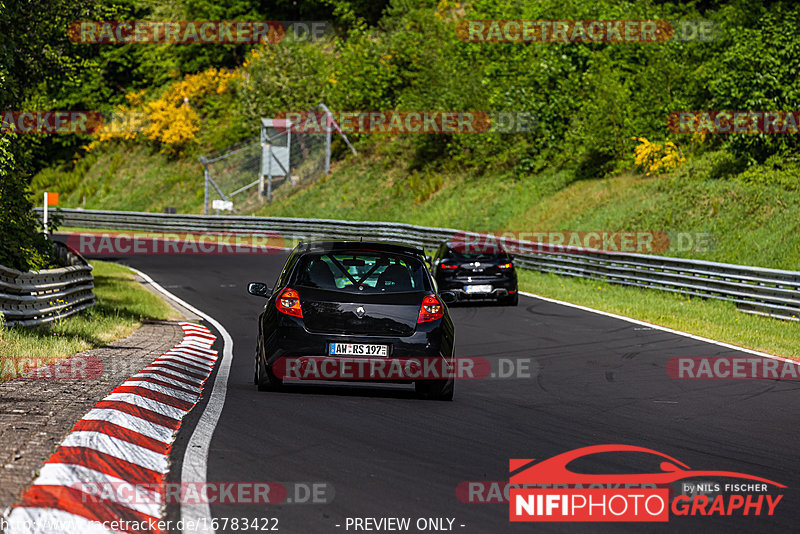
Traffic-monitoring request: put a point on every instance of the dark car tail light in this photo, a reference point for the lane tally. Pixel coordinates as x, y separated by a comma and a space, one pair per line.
431, 309
505, 266
289, 303
447, 266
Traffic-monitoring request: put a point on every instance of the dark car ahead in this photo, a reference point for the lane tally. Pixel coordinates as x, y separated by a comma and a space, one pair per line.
476, 274
355, 311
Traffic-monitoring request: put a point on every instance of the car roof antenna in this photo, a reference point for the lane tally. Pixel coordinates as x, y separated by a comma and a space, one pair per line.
361, 239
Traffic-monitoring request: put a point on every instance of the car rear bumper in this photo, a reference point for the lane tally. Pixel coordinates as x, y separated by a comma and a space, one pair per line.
501, 289
297, 354
496, 294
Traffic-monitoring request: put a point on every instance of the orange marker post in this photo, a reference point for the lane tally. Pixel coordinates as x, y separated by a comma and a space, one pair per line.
50, 199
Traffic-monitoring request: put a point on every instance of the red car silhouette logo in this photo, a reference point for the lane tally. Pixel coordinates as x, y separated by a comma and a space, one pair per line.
555, 471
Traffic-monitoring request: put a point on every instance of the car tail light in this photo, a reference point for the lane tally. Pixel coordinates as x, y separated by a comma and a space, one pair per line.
447, 266
431, 309
289, 303
506, 266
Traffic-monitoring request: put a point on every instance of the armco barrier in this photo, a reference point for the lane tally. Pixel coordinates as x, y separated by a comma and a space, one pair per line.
31, 298
753, 289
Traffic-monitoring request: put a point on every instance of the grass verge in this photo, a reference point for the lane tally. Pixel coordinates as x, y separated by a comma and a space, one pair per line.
716, 320
122, 305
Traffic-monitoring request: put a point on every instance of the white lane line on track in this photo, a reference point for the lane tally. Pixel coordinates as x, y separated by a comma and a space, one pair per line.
662, 328
195, 459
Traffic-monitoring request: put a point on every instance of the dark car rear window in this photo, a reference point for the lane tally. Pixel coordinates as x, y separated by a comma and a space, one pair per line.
477, 253
360, 271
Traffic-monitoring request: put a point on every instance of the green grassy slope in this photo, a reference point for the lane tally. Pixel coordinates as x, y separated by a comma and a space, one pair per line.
126, 178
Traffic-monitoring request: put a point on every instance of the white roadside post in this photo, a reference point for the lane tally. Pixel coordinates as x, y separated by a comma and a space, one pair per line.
45, 213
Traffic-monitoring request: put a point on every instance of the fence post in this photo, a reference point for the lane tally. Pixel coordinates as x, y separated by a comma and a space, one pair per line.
205, 178
263, 142
338, 130
269, 173
328, 126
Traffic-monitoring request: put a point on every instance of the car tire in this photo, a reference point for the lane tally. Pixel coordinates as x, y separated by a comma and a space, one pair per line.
265, 380
442, 390
513, 300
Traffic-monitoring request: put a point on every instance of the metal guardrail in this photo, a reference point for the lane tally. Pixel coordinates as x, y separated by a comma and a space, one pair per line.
760, 290
31, 298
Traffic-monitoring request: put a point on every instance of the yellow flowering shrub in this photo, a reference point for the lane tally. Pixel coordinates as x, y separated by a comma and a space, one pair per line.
449, 7
655, 158
171, 120
171, 125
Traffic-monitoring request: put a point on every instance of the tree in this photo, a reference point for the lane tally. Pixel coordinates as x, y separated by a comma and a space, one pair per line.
22, 245
34, 50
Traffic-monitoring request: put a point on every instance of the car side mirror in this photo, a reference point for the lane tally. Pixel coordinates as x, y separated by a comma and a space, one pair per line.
448, 297
428, 260
259, 290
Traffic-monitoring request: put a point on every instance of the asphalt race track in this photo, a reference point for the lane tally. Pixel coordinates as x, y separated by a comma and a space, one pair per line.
381, 452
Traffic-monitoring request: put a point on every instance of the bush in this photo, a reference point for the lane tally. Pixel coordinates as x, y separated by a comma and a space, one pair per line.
758, 72
22, 245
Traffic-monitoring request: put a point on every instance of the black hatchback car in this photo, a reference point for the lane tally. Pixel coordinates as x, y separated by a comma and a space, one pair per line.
476, 274
355, 311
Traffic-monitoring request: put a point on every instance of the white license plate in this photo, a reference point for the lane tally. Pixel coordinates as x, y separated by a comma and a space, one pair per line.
357, 349
478, 289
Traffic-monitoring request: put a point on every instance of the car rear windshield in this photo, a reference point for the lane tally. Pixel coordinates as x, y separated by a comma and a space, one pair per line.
368, 272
